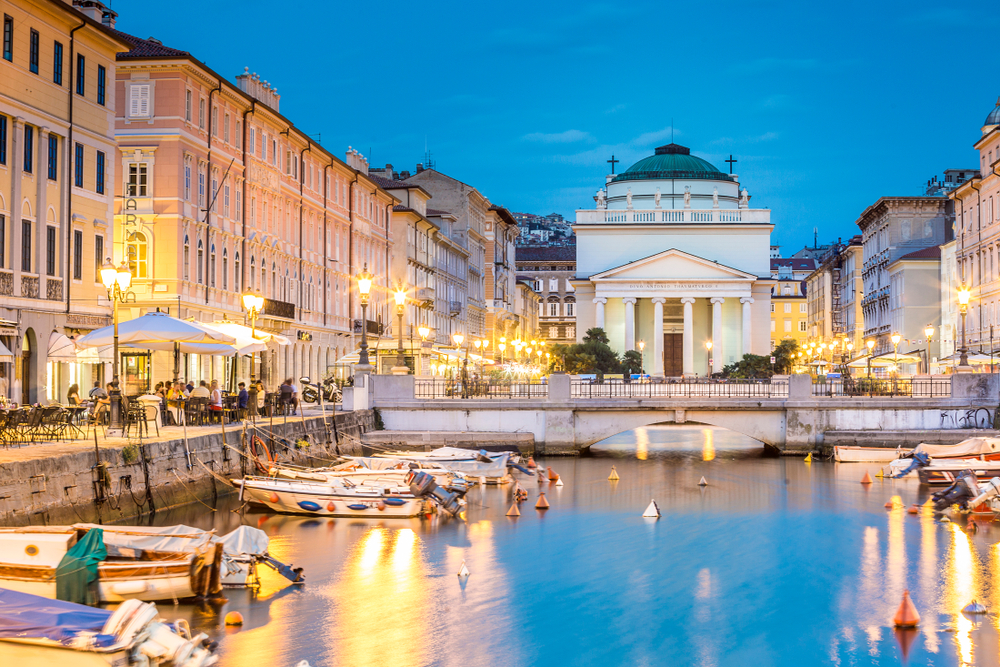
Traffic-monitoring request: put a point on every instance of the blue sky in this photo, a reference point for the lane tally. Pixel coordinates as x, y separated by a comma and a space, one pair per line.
827, 106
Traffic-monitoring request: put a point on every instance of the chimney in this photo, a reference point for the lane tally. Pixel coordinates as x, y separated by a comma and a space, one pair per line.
91, 9
389, 173
420, 167
403, 175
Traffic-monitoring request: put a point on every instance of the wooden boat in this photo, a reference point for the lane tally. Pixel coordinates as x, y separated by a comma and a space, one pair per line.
335, 497
30, 556
492, 466
970, 450
945, 471
853, 454
38, 632
359, 474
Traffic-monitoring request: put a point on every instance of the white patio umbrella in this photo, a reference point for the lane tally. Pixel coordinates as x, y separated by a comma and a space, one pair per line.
974, 358
159, 331
248, 341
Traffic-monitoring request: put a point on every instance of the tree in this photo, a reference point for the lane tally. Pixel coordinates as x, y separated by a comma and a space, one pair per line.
593, 355
756, 366
784, 355
632, 362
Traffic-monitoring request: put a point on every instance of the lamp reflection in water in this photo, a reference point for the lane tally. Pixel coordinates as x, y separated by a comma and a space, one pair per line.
930, 572
642, 443
872, 616
961, 586
708, 445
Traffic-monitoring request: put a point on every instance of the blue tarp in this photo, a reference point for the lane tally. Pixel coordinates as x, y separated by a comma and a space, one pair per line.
23, 616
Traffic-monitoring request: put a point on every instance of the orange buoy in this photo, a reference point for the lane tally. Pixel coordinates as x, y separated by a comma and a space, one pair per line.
381, 506
867, 479
234, 618
330, 506
542, 503
273, 497
552, 474
513, 511
906, 616
531, 462
888, 505
913, 510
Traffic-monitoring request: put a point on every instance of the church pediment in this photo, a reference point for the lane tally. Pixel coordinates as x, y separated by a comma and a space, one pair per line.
673, 264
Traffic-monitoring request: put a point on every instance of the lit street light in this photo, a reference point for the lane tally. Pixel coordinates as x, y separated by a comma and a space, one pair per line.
254, 304
117, 282
963, 307
364, 289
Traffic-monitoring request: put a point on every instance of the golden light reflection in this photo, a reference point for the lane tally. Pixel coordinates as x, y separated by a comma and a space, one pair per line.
929, 575
871, 588
642, 443
961, 575
708, 448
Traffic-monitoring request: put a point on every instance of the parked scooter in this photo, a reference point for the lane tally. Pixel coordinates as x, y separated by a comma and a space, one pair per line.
328, 389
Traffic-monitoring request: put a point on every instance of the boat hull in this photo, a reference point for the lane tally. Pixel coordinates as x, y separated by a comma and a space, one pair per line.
324, 500
936, 475
32, 654
851, 454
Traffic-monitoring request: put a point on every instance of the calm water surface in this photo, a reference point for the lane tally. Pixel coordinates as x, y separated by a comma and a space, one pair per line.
776, 562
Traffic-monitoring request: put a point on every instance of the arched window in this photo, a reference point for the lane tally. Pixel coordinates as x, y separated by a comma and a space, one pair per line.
201, 263
211, 267
237, 276
187, 258
137, 252
253, 269
225, 268
274, 281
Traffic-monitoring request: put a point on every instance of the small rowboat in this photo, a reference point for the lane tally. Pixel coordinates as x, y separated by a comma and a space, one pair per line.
852, 454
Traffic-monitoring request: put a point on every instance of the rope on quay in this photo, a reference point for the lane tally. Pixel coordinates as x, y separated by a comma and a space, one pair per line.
213, 473
174, 471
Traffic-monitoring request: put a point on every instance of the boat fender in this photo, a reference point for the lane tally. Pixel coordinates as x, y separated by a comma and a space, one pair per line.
381, 506
309, 505
394, 502
234, 618
357, 506
330, 506
273, 497
130, 588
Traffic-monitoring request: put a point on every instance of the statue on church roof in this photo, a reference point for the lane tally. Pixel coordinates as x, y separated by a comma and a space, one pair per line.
628, 198
744, 199
687, 196
600, 199
715, 197
656, 198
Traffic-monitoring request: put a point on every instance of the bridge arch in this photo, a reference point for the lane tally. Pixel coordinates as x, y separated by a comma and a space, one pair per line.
765, 426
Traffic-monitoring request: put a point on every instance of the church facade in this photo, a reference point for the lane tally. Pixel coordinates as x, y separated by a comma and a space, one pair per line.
675, 263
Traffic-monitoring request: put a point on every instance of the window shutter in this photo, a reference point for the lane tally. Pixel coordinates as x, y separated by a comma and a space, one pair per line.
139, 100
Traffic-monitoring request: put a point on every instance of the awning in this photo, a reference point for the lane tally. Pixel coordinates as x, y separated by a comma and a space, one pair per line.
61, 348
5, 354
248, 341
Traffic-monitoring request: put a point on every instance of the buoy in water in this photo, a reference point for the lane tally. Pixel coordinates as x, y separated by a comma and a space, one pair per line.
894, 503
330, 506
913, 509
614, 475
702, 482
234, 618
559, 481
652, 512
464, 572
552, 474
867, 479
541, 476
974, 607
879, 474
808, 458
906, 616
542, 503
513, 511
531, 462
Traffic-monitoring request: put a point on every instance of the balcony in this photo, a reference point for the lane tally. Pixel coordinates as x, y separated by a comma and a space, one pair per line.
716, 215
281, 309
374, 328
456, 308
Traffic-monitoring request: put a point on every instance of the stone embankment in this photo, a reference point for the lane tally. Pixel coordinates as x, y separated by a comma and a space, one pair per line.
425, 441
117, 479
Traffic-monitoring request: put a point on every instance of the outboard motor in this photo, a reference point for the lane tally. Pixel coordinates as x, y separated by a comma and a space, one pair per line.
989, 492
920, 460
963, 489
483, 456
422, 485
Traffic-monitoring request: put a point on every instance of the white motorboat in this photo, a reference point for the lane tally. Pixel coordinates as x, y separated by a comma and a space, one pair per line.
853, 454
972, 451
244, 550
474, 464
385, 472
334, 497
39, 632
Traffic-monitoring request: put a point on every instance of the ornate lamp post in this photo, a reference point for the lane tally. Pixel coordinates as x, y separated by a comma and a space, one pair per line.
117, 282
928, 333
708, 346
642, 358
364, 289
400, 295
963, 308
424, 332
501, 346
895, 338
253, 301
870, 344
849, 346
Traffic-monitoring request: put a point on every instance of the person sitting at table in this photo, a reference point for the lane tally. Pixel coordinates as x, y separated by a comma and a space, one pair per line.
286, 393
98, 392
103, 405
201, 391
261, 397
175, 398
73, 395
243, 398
215, 401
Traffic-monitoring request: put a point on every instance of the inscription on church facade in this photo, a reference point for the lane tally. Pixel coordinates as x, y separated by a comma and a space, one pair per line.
679, 284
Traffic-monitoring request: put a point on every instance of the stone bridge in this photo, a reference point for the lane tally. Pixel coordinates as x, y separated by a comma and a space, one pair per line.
563, 421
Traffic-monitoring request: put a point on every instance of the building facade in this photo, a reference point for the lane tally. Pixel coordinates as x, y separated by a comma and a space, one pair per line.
501, 275
835, 292
914, 303
550, 272
789, 312
672, 254
57, 176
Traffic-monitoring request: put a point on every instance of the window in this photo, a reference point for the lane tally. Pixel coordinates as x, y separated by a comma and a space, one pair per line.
187, 106
803, 308
137, 252
187, 258
29, 143
772, 326
570, 308
187, 181
138, 179
201, 113
3, 238
53, 157
26, 246
239, 135
8, 38
215, 121
201, 188
788, 307
236, 273
253, 269
77, 255
802, 326
211, 267
225, 129
138, 100
215, 189
98, 257
239, 204
81, 74
78, 166
253, 138
33, 52
772, 307
201, 263
225, 199
788, 326
102, 83
225, 268
553, 310
57, 63
3, 139
100, 173
50, 251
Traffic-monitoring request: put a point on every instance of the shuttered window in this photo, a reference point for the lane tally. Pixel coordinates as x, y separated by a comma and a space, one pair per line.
138, 100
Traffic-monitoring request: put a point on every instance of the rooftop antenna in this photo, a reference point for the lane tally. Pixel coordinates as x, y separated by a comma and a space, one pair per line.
815, 237
671, 129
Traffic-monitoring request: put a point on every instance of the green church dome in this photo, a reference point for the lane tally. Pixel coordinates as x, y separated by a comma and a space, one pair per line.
672, 161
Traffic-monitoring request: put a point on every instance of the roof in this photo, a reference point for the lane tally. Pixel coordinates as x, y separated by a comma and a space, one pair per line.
934, 252
434, 211
672, 161
797, 263
147, 48
399, 208
504, 214
560, 254
391, 183
994, 117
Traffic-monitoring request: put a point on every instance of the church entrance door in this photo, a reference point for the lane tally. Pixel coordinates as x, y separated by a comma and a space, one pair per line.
673, 354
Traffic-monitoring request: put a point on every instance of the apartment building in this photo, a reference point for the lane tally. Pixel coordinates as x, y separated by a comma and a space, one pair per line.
549, 270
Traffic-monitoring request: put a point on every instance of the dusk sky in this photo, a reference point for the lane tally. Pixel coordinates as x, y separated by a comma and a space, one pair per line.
827, 108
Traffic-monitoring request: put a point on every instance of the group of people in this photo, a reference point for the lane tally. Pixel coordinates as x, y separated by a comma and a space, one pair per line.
98, 399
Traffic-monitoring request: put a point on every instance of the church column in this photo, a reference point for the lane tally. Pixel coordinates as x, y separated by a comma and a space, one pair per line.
688, 302
629, 322
717, 334
599, 308
746, 301
658, 336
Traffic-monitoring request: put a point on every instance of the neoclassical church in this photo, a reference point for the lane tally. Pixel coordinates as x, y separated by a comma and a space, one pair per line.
674, 257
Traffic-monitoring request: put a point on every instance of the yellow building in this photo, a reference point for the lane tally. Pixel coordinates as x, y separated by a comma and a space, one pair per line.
57, 184
789, 312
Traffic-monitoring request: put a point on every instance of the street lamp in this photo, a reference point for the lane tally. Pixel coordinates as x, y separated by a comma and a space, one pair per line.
895, 338
870, 344
929, 333
502, 346
708, 346
364, 289
253, 301
400, 296
642, 346
423, 331
117, 282
963, 307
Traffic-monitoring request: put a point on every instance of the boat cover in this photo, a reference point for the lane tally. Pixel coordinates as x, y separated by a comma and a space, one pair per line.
180, 538
78, 569
461, 461
966, 448
245, 540
24, 616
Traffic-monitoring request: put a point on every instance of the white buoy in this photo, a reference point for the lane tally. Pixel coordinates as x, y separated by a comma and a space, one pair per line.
974, 607
559, 482
702, 482
464, 572
652, 512
302, 663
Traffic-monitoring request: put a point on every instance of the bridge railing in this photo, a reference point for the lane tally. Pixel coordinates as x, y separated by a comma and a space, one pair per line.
915, 387
479, 389
698, 389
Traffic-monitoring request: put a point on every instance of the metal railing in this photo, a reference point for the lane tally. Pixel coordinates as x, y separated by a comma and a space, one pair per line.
699, 389
919, 387
480, 389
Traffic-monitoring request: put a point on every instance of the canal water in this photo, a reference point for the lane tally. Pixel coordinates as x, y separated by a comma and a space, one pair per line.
775, 562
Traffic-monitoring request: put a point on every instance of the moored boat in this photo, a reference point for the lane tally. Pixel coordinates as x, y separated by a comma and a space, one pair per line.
39, 632
492, 466
946, 472
971, 450
856, 454
330, 498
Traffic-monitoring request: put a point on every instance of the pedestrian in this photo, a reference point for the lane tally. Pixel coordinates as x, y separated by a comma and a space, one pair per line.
295, 395
261, 397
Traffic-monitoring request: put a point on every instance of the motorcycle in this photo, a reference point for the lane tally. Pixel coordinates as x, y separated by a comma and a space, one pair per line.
311, 392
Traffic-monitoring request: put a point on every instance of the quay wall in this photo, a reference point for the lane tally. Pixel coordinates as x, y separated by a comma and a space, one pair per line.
425, 441
69, 486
